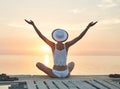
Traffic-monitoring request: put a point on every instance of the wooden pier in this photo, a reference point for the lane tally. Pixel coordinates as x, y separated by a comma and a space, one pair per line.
74, 82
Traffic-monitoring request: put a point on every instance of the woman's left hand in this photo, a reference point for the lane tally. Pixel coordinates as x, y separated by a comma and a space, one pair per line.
30, 22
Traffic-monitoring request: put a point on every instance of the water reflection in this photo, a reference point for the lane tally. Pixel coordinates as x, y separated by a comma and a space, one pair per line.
46, 60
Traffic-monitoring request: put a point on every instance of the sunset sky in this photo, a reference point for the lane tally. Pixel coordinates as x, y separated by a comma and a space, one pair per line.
17, 37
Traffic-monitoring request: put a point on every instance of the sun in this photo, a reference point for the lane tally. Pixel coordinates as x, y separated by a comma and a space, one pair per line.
46, 49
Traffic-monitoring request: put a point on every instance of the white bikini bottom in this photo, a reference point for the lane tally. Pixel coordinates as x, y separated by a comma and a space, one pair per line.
60, 74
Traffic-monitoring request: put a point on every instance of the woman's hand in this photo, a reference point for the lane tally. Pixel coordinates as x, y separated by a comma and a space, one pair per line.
30, 22
91, 24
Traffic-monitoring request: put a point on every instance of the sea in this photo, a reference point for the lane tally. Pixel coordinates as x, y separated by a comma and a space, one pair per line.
84, 65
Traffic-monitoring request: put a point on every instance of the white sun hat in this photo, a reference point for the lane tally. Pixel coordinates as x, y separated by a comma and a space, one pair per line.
59, 35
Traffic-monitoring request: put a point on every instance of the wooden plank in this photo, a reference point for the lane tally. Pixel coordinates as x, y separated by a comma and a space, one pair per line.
59, 84
98, 85
87, 85
41, 85
31, 84
109, 86
113, 83
50, 84
80, 84
69, 84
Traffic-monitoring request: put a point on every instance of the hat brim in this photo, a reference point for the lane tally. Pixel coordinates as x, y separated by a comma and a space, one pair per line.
56, 38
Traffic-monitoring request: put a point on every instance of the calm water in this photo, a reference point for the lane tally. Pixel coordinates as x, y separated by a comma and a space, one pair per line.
85, 65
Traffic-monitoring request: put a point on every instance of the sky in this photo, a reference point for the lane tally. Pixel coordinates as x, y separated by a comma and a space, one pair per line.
18, 37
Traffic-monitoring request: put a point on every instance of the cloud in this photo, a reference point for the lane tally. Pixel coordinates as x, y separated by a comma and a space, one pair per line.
111, 21
15, 25
105, 4
77, 11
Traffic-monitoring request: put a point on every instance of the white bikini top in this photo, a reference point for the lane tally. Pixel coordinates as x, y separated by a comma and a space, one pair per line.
60, 56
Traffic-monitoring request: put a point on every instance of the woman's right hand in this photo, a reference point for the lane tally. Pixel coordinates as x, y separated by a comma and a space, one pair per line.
30, 22
91, 24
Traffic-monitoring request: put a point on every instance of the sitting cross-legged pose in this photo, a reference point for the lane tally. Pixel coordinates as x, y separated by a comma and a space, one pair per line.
59, 50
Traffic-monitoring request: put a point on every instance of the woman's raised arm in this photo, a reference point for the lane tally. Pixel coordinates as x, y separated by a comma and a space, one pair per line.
70, 43
50, 43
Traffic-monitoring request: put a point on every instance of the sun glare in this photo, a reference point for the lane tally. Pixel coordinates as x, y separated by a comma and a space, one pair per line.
46, 48
46, 60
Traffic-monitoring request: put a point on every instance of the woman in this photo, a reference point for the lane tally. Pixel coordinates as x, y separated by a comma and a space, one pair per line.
59, 50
